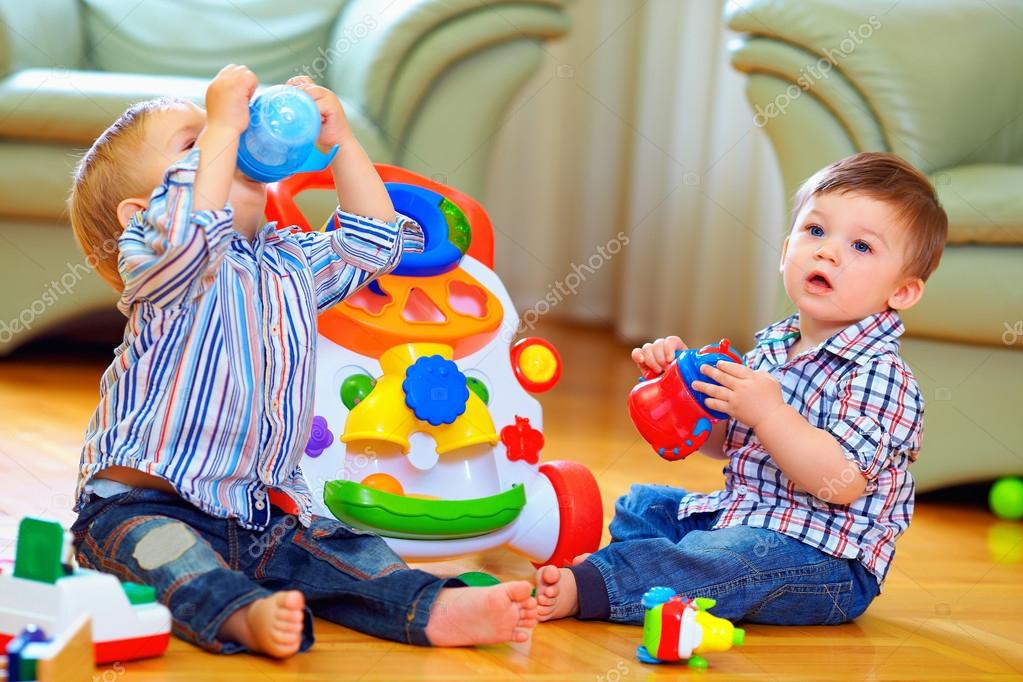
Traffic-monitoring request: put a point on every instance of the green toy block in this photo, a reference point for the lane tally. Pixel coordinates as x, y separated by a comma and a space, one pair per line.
38, 554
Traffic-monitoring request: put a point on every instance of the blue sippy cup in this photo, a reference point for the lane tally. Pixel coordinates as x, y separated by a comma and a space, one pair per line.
281, 138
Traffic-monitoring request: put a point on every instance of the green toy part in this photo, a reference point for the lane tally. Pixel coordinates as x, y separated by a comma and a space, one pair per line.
705, 603
355, 388
478, 579
479, 388
38, 554
401, 516
138, 593
459, 232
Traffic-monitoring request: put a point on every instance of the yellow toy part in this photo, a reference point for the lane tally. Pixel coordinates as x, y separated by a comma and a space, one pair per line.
539, 364
718, 633
384, 415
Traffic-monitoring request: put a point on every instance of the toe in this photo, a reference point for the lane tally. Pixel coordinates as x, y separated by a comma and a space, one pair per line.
292, 599
550, 574
519, 590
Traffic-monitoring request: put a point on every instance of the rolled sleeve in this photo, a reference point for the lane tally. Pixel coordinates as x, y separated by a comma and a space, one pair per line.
168, 250
355, 252
374, 245
878, 412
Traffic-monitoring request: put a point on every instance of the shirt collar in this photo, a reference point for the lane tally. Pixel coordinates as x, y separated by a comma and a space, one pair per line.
269, 233
857, 343
266, 234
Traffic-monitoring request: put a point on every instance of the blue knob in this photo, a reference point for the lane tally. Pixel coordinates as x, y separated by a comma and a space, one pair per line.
435, 390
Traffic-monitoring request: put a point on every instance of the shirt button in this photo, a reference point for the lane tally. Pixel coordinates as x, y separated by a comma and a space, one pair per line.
742, 490
259, 494
260, 505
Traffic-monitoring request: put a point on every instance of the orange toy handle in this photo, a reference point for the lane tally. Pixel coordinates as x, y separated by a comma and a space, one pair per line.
281, 206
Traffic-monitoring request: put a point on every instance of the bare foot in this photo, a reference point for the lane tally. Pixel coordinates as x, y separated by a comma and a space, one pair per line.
556, 594
271, 625
463, 616
581, 558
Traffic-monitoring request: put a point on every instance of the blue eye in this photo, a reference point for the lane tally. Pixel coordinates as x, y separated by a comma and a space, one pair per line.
816, 230
862, 247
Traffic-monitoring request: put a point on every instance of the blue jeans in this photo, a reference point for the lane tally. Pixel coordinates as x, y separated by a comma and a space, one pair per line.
755, 574
204, 568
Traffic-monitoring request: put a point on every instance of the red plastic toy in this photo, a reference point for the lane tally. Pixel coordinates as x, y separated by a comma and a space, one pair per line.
668, 413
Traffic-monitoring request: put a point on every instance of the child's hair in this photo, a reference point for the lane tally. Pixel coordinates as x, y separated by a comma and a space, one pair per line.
889, 178
106, 175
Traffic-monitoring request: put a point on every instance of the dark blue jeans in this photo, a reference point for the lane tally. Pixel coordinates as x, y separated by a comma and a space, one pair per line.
204, 568
755, 574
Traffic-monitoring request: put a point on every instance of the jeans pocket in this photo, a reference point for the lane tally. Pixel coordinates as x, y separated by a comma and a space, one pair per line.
805, 604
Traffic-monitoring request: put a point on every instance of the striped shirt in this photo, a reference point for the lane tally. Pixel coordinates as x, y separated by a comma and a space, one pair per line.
856, 387
212, 387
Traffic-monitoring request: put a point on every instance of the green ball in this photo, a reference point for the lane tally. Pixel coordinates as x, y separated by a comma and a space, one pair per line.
355, 388
1006, 498
479, 388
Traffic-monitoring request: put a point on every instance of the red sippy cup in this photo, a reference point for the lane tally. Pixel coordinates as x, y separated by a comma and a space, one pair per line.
668, 413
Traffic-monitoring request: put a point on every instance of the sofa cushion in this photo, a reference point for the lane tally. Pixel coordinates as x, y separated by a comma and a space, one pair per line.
275, 39
975, 296
35, 180
984, 203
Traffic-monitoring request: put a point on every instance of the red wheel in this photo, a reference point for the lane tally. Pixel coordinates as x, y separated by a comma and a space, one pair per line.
579, 510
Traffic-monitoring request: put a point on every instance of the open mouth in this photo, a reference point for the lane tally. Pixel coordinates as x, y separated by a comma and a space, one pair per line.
818, 283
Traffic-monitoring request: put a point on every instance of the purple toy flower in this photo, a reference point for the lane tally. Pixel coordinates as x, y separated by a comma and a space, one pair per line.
319, 437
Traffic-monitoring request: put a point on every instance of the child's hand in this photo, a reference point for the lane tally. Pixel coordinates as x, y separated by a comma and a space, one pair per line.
227, 98
334, 124
652, 358
744, 394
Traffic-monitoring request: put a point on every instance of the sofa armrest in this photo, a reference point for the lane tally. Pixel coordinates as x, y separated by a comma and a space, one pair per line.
866, 65
385, 57
41, 33
56, 105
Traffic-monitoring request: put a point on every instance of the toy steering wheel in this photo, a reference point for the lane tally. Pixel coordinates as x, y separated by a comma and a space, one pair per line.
281, 206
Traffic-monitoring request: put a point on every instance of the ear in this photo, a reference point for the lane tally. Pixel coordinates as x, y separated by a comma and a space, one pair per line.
129, 207
784, 250
907, 295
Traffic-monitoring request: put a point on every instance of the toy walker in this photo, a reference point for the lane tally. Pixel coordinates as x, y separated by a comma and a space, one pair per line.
668, 413
425, 432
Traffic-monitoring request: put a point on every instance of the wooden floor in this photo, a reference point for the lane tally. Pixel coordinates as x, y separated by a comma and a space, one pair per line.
951, 609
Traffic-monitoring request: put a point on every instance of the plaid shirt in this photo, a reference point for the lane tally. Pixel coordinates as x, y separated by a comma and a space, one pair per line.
856, 387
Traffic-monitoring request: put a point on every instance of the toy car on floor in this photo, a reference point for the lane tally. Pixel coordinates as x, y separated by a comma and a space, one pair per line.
43, 590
